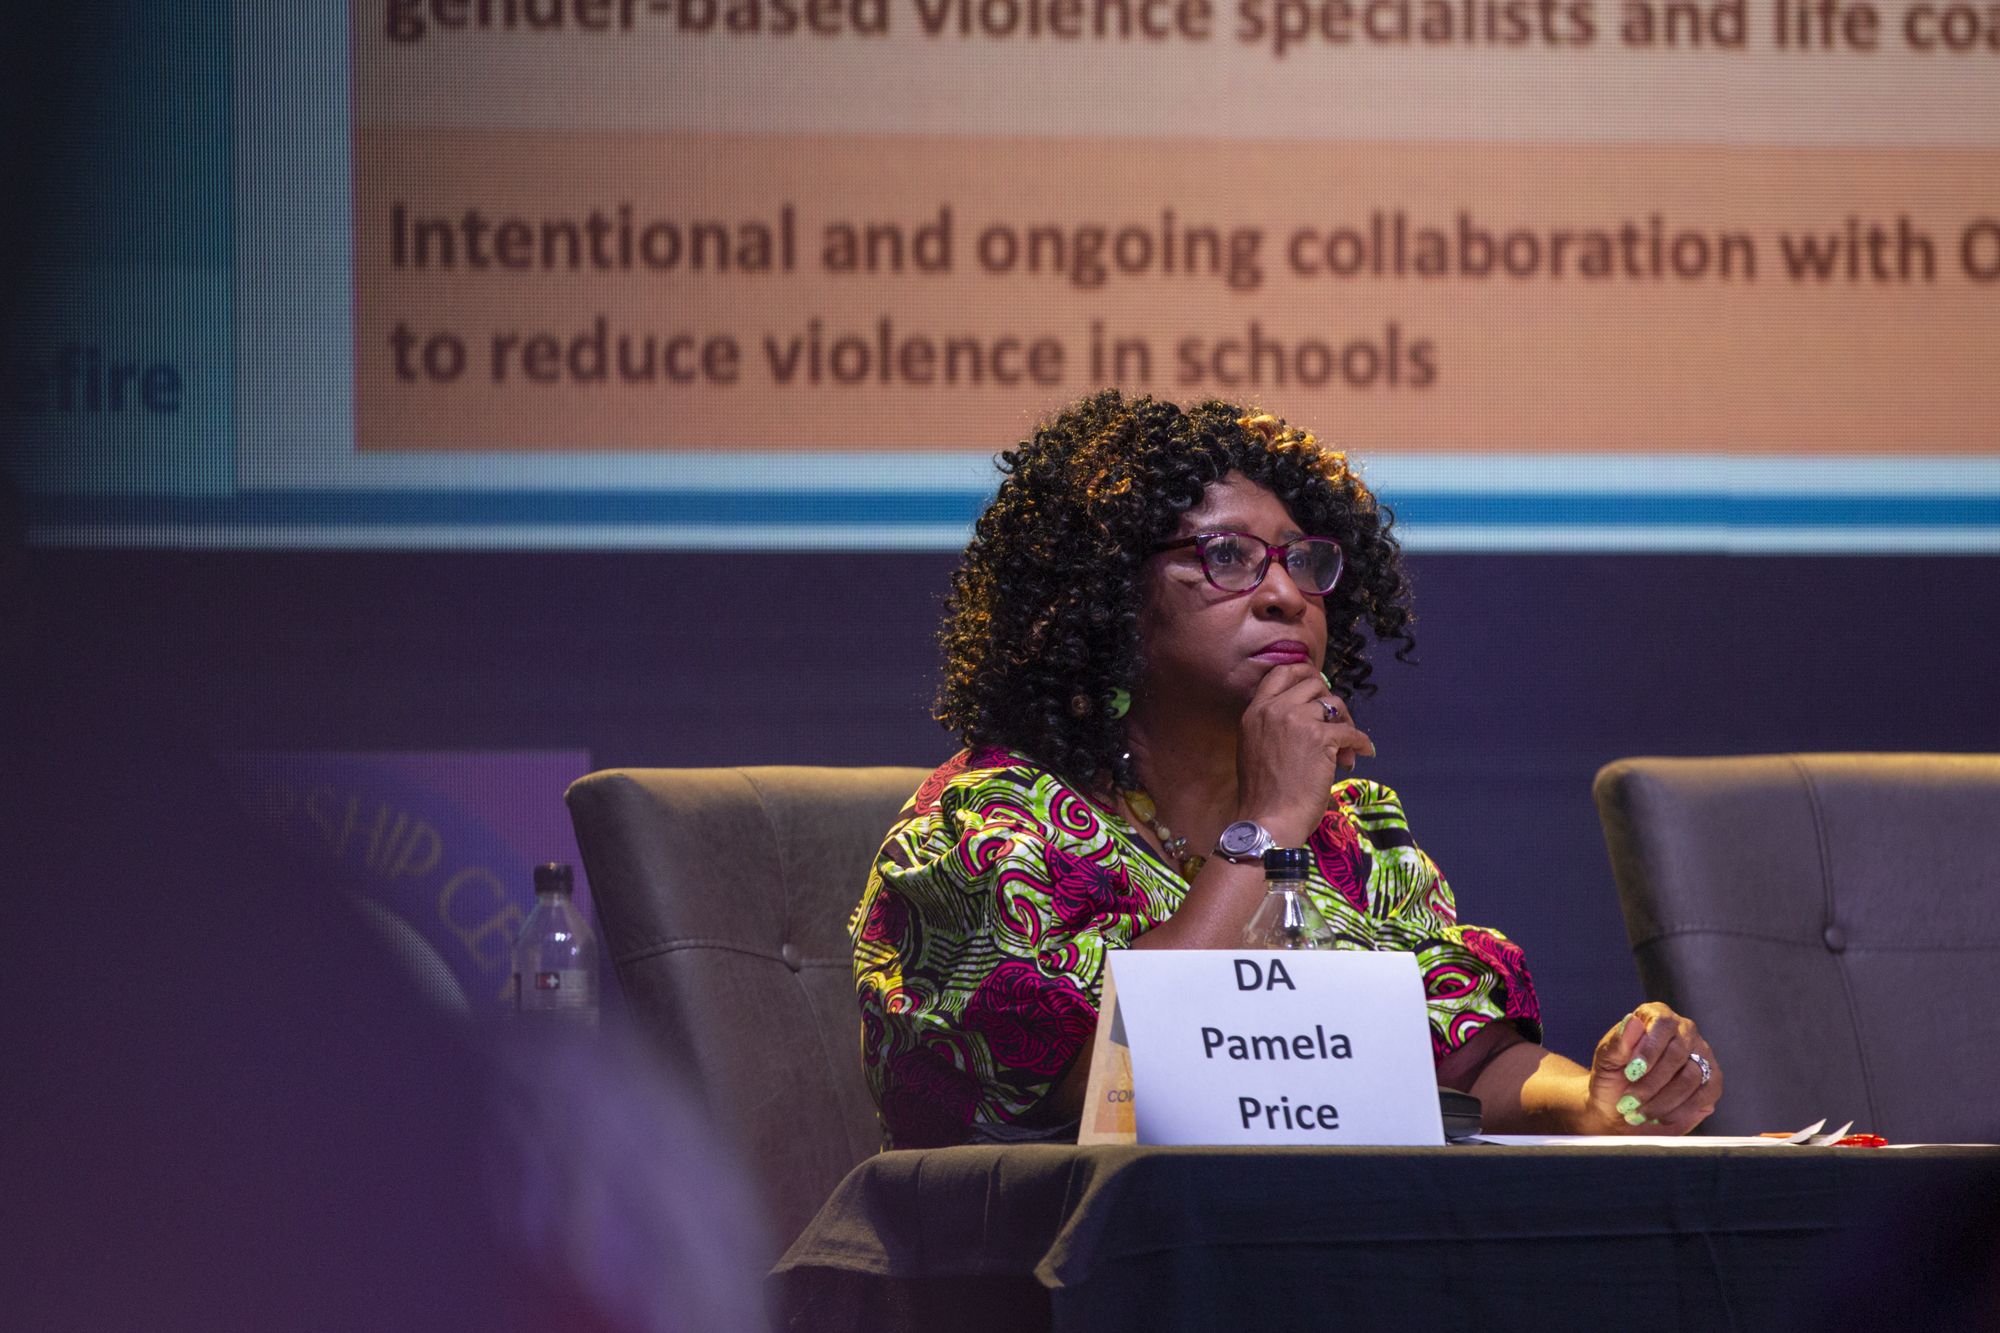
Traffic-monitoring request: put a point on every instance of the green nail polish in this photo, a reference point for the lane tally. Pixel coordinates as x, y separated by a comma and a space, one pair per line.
1627, 1104
1634, 1118
1636, 1070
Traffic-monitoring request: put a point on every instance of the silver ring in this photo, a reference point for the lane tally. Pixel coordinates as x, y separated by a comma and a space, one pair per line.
1332, 709
1706, 1072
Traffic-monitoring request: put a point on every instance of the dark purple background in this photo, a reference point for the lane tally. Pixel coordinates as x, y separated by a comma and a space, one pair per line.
1535, 671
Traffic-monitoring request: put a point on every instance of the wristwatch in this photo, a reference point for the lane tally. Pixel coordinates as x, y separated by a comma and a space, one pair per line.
1245, 843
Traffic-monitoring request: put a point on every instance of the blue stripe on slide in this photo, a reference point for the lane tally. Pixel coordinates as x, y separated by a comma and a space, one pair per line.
399, 508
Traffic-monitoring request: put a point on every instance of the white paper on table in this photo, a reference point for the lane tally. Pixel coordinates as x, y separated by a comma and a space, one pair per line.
1625, 1141
1661, 1141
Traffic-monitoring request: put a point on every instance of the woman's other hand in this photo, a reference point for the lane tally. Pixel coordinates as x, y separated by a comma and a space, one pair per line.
1290, 752
1653, 1074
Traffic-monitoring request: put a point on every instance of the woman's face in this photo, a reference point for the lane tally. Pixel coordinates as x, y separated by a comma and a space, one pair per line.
1209, 649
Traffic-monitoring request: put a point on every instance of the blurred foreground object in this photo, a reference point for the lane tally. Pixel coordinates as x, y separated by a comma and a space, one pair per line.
229, 1109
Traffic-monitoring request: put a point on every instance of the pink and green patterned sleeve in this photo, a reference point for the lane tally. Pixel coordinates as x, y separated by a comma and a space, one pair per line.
1391, 895
980, 943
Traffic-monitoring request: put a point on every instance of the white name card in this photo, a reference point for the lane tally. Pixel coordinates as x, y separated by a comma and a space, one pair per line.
1248, 1046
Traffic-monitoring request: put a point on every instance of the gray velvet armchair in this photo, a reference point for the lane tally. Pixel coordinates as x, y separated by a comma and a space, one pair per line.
1832, 921
724, 895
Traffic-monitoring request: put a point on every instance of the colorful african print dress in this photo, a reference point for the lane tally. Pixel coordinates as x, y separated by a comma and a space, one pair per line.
980, 941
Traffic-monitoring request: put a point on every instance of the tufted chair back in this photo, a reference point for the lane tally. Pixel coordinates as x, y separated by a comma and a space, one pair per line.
1833, 923
724, 895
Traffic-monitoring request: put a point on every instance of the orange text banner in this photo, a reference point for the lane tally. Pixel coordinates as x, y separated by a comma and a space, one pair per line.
528, 290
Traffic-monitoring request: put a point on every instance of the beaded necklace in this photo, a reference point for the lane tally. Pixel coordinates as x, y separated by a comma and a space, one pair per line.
1142, 805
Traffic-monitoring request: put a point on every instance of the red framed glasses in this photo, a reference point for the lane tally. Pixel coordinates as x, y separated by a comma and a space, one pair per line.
1238, 561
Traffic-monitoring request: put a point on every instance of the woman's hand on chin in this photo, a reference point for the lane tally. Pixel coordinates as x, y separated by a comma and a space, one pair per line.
1653, 1074
1289, 754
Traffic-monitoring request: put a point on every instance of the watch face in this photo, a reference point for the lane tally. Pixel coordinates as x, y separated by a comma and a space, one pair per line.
1244, 837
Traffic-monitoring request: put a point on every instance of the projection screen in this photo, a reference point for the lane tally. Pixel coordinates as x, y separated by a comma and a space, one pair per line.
1561, 274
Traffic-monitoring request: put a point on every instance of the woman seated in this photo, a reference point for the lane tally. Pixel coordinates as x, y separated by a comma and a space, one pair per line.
1150, 648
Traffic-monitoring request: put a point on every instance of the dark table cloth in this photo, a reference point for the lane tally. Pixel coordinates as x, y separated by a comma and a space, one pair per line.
1631, 1239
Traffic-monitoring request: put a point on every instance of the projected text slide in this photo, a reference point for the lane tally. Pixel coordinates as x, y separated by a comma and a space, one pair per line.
1562, 274
527, 290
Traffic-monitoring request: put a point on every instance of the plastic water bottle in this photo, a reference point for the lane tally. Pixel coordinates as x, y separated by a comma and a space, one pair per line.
1286, 919
555, 956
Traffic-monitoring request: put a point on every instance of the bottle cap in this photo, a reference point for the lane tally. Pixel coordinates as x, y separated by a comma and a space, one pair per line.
1287, 863
554, 878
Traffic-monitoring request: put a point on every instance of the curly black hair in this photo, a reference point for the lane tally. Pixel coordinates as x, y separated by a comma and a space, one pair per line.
1042, 624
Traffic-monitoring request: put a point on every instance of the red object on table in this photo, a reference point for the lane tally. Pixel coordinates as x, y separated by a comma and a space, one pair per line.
1851, 1141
